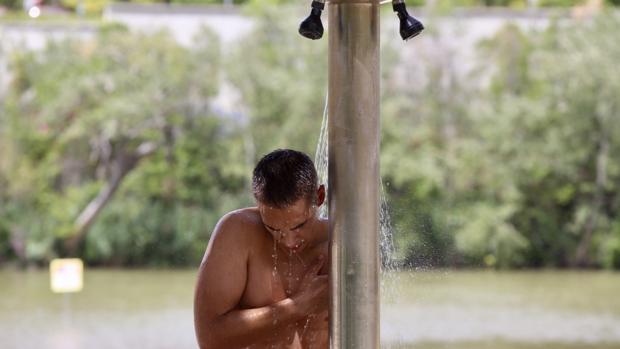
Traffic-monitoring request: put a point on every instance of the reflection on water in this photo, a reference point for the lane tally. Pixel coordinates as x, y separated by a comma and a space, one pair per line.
528, 309
459, 310
117, 309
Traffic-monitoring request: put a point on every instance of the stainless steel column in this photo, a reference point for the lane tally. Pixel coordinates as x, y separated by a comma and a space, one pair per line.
354, 173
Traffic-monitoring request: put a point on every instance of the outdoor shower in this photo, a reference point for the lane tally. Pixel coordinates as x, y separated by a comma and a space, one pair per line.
353, 163
312, 27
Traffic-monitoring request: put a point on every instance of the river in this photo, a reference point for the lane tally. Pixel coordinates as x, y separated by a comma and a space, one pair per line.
420, 309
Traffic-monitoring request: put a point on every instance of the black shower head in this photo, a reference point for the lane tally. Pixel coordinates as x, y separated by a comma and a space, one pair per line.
311, 27
409, 26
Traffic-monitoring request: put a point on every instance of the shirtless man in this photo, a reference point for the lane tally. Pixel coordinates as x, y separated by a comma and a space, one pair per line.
262, 282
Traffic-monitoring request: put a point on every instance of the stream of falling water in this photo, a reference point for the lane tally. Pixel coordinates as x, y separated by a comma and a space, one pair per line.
289, 274
274, 257
321, 157
389, 263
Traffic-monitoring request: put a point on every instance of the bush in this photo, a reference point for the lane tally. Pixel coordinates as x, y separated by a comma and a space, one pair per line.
609, 249
559, 3
12, 4
89, 6
91, 104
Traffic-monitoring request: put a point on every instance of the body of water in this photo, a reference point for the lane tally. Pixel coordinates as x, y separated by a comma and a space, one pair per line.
422, 309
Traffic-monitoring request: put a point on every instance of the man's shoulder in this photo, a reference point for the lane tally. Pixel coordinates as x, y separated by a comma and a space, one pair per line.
239, 222
247, 215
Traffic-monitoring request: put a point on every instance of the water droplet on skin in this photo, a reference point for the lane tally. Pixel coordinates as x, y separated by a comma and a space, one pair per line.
274, 317
275, 257
289, 274
300, 260
303, 332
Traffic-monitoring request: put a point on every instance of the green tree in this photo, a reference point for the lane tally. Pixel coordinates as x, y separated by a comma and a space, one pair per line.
559, 106
82, 115
510, 166
282, 79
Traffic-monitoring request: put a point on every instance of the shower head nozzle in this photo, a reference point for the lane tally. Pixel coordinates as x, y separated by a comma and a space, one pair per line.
312, 27
409, 26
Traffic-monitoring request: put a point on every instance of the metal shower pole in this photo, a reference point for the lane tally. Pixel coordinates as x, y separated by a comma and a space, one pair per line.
354, 173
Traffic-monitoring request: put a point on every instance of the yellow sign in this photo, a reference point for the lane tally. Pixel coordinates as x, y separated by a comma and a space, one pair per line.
67, 275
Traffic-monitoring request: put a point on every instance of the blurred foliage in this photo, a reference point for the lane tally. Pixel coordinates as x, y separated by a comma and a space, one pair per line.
507, 162
79, 112
95, 7
10, 3
559, 3
520, 172
282, 82
98, 6
86, 6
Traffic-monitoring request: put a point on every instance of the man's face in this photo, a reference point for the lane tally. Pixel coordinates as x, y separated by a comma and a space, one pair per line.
292, 227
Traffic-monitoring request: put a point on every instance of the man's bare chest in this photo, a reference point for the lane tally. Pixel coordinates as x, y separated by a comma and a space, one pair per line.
273, 275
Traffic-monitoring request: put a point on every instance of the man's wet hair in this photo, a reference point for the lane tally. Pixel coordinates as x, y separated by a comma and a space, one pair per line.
284, 176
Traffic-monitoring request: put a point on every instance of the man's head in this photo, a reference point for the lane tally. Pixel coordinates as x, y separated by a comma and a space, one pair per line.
286, 189
284, 176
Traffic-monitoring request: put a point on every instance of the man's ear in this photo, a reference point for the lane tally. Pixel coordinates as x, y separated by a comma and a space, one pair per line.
320, 196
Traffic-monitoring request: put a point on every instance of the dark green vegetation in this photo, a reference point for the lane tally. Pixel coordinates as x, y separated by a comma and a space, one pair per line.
110, 148
110, 151
519, 173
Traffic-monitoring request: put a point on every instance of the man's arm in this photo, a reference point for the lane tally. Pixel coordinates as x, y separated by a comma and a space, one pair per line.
221, 282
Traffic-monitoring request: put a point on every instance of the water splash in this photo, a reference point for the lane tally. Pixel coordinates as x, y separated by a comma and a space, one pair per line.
389, 264
386, 231
390, 278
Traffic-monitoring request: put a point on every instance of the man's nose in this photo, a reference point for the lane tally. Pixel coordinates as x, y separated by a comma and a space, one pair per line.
290, 240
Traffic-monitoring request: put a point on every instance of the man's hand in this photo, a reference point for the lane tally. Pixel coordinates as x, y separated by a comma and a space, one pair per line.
312, 296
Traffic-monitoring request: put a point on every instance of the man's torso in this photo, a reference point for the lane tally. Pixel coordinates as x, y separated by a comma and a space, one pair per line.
273, 275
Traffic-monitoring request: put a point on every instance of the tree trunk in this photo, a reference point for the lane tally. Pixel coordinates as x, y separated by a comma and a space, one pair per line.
582, 257
18, 243
124, 164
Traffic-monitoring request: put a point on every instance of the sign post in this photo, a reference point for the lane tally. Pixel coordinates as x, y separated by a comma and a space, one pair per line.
67, 275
